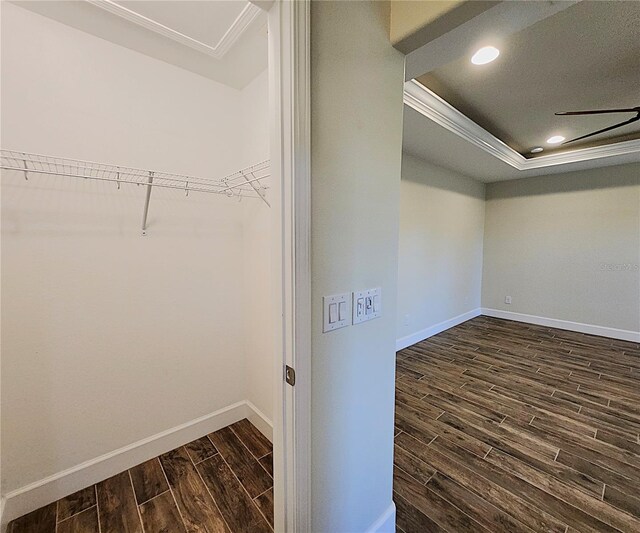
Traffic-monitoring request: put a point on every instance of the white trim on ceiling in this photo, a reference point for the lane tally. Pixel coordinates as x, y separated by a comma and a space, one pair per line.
237, 28
429, 104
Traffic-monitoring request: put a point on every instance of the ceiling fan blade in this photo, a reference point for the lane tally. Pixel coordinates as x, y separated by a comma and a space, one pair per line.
601, 111
634, 119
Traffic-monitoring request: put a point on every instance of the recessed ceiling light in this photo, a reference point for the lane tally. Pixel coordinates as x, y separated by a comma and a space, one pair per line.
555, 139
485, 55
537, 150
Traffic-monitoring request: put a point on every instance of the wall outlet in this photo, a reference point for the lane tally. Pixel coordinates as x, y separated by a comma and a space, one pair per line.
405, 322
507, 300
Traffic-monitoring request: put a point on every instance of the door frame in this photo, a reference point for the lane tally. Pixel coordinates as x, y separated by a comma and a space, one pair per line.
290, 136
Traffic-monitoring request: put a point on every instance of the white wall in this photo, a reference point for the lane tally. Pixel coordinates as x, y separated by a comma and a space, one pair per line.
258, 326
440, 251
109, 337
566, 247
356, 135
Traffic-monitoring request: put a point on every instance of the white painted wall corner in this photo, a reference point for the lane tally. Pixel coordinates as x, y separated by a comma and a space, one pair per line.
259, 420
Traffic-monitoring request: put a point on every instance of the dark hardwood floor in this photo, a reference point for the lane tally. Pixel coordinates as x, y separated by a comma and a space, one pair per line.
505, 427
500, 426
220, 483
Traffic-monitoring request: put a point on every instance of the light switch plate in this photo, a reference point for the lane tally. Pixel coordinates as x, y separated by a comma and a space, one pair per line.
332, 317
367, 305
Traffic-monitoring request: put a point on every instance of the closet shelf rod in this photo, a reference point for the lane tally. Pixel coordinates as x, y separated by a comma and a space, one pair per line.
234, 185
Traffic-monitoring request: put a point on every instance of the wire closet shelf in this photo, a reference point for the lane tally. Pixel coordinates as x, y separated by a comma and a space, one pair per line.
249, 182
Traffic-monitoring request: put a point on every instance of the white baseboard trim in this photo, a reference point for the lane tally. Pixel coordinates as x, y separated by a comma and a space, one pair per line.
260, 420
435, 329
591, 329
386, 522
52, 488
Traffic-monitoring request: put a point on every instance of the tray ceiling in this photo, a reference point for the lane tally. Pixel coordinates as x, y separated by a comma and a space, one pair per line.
225, 41
206, 22
584, 57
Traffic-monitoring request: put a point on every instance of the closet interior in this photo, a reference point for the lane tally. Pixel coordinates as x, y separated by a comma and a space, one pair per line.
137, 327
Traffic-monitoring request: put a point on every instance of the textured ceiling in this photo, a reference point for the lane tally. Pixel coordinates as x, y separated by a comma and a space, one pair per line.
585, 57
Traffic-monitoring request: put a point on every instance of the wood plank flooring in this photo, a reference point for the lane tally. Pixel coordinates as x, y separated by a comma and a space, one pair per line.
220, 483
508, 427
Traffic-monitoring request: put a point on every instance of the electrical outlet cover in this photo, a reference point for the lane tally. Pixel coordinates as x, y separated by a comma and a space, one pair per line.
335, 320
367, 305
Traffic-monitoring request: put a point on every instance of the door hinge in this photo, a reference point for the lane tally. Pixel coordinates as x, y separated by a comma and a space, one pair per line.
290, 375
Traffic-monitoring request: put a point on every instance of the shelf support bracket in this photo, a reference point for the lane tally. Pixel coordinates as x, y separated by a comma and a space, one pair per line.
146, 203
258, 191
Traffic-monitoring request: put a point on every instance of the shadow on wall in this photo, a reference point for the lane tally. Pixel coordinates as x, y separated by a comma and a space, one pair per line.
414, 169
581, 180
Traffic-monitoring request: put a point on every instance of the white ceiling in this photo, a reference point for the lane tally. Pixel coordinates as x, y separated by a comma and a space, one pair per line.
225, 41
206, 22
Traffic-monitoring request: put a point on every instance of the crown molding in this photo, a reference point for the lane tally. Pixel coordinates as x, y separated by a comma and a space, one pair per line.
429, 104
237, 28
